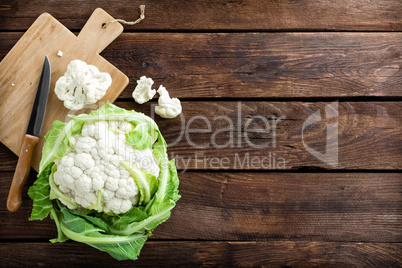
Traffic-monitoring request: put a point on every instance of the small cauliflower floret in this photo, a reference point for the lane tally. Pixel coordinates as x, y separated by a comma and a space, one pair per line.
112, 184
114, 205
122, 183
105, 154
98, 183
115, 174
64, 179
84, 161
90, 198
147, 161
83, 185
109, 168
115, 160
125, 205
124, 151
134, 199
95, 155
143, 92
86, 200
101, 130
168, 107
107, 196
81, 84
68, 161
65, 189
112, 140
72, 140
121, 193
76, 172
67, 204
124, 174
88, 130
101, 167
92, 167
84, 144
120, 128
125, 126
113, 126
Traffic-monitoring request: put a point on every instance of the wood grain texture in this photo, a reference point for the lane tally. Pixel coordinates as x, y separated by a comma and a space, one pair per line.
222, 254
8, 159
261, 65
21, 173
21, 68
380, 15
258, 65
238, 134
203, 51
241, 206
232, 135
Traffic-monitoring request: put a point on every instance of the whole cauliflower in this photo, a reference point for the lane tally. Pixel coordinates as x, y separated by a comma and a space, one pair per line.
106, 180
143, 92
168, 107
94, 170
81, 84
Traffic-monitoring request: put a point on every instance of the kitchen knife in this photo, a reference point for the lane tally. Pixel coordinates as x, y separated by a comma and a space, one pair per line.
30, 140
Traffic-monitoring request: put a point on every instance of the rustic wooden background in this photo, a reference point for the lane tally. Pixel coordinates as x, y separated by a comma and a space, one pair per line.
270, 57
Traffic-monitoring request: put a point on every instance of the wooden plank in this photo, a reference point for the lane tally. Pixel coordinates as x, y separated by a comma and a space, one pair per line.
363, 128
230, 135
195, 253
258, 65
381, 15
342, 207
8, 160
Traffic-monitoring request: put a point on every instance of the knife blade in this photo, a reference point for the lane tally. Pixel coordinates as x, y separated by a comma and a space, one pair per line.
31, 138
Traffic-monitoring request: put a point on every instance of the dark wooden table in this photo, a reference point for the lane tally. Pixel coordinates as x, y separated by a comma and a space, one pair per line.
250, 74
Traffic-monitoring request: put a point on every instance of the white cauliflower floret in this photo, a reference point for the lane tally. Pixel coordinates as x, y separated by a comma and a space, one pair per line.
143, 92
146, 160
114, 205
83, 161
65, 189
120, 127
98, 183
107, 195
125, 126
81, 84
168, 107
125, 204
83, 185
94, 165
76, 172
88, 130
101, 130
84, 144
112, 184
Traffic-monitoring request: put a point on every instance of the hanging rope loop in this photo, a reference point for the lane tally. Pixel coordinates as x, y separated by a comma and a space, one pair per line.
142, 16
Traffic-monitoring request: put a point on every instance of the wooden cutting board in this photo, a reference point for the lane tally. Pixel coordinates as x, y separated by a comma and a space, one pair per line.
21, 68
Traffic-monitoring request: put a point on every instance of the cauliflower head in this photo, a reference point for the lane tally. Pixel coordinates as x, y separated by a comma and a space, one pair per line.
96, 174
168, 107
143, 92
106, 180
81, 84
